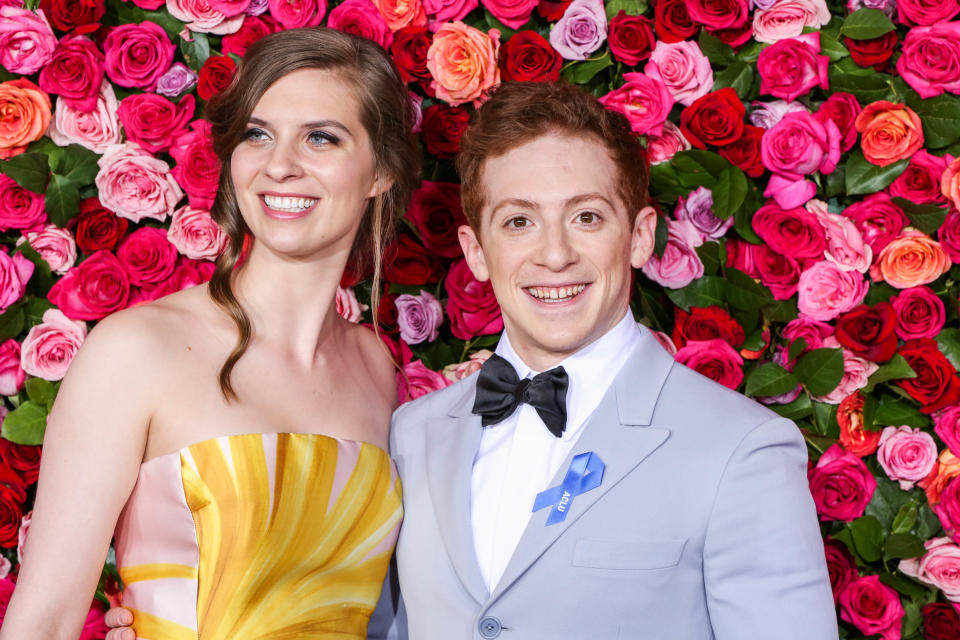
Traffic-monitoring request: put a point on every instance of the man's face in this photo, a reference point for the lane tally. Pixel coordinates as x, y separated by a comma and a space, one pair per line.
557, 245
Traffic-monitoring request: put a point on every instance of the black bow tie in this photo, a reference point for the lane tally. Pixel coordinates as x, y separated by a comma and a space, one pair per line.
500, 390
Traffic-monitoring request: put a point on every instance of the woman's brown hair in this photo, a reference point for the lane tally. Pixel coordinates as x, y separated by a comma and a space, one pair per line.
386, 113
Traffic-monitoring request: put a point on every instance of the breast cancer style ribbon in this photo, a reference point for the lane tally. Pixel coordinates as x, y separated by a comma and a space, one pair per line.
585, 473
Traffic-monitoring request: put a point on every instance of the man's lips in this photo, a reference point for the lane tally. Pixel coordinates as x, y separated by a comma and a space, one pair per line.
556, 294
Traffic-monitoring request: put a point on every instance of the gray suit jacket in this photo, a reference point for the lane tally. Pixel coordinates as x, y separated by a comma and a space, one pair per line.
703, 526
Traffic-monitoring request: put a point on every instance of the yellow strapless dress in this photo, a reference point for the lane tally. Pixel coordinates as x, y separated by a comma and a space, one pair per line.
259, 536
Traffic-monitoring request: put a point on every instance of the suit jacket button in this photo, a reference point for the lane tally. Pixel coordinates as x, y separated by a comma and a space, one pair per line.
490, 628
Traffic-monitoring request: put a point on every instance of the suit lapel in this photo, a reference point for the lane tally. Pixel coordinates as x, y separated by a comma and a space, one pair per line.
452, 442
618, 433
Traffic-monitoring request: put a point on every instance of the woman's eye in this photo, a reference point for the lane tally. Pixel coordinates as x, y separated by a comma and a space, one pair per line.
321, 138
255, 135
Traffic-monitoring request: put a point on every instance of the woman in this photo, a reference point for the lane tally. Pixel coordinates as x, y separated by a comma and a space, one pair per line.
237, 430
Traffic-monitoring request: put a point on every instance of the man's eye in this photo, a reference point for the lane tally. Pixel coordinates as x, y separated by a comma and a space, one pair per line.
588, 217
517, 222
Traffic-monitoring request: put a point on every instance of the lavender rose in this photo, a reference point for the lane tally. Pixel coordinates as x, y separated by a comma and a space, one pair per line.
418, 317
698, 209
176, 80
581, 31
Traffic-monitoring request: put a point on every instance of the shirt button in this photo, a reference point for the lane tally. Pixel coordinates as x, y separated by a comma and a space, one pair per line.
490, 627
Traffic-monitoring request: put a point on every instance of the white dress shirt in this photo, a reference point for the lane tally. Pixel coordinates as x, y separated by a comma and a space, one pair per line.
518, 457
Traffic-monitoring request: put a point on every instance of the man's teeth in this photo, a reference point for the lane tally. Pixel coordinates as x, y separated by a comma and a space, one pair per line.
289, 204
556, 294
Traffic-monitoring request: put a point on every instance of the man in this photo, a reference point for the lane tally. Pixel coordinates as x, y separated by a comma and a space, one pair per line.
584, 485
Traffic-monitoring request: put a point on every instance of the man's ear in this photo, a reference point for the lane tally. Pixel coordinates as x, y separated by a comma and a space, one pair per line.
473, 252
643, 237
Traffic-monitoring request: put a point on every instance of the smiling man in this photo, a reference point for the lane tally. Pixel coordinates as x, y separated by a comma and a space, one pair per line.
583, 484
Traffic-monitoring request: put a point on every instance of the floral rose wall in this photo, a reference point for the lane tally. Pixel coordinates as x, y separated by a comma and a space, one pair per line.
802, 159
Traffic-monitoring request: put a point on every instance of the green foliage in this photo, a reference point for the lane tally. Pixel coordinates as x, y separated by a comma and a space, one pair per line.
29, 170
940, 117
864, 24
25, 424
820, 370
925, 217
863, 177
769, 380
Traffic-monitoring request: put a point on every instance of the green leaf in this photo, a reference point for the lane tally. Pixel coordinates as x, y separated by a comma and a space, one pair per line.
903, 584
799, 408
750, 52
740, 76
769, 379
25, 424
35, 308
729, 192
903, 545
824, 417
62, 200
864, 24
912, 619
11, 322
863, 177
797, 347
866, 84
630, 7
709, 254
717, 51
879, 292
895, 369
743, 292
743, 216
195, 53
905, 519
42, 279
699, 167
868, 538
949, 342
78, 165
896, 411
781, 310
583, 72
886, 502
820, 370
665, 182
29, 170
41, 392
703, 292
870, 406
940, 117
928, 522
925, 217
654, 309
661, 236
831, 47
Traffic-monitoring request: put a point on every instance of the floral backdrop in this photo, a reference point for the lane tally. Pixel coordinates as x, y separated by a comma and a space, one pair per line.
803, 161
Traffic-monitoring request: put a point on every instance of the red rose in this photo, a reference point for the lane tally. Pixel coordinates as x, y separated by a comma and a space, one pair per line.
877, 219
672, 21
920, 181
920, 313
215, 76
75, 73
714, 359
435, 212
744, 152
552, 10
528, 57
471, 307
793, 232
79, 16
442, 128
24, 459
406, 261
631, 38
409, 51
949, 235
941, 621
841, 485
95, 288
843, 109
936, 385
840, 566
12, 497
778, 272
728, 20
148, 256
198, 168
188, 273
873, 52
154, 122
387, 309
868, 332
706, 324
98, 227
251, 29
715, 118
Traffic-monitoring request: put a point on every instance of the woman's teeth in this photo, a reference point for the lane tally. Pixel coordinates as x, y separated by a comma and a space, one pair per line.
556, 294
289, 204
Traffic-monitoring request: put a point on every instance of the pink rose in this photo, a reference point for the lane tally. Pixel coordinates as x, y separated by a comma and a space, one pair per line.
513, 13
645, 101
418, 317
96, 130
938, 567
231, 8
22, 535
878, 219
348, 307
298, 13
75, 73
201, 17
792, 67
147, 256
680, 265
154, 122
663, 147
930, 59
26, 40
15, 272
715, 359
194, 233
50, 346
813, 332
361, 18
442, 11
787, 18
950, 183
137, 55
825, 291
920, 314
794, 232
840, 565
198, 169
926, 12
843, 109
463, 63
872, 607
946, 426
188, 273
55, 245
906, 455
19, 207
135, 185
417, 380
95, 626
95, 288
459, 371
11, 373
845, 245
948, 509
795, 147
841, 485
683, 70
856, 372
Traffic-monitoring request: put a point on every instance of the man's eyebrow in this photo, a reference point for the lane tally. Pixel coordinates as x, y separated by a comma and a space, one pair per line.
586, 197
319, 124
516, 202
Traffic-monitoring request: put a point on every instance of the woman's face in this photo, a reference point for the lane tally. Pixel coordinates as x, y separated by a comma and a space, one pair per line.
304, 168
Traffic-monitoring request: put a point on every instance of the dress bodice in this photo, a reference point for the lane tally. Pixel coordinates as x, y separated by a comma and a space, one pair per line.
259, 536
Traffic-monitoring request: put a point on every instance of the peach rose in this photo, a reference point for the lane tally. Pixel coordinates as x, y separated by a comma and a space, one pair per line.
458, 371
912, 259
402, 13
950, 183
891, 132
25, 113
463, 63
946, 469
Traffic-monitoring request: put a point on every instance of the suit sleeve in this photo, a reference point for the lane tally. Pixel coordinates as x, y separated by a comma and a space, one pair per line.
764, 568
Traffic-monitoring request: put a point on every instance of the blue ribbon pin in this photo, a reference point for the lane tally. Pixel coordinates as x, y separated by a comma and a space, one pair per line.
585, 473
